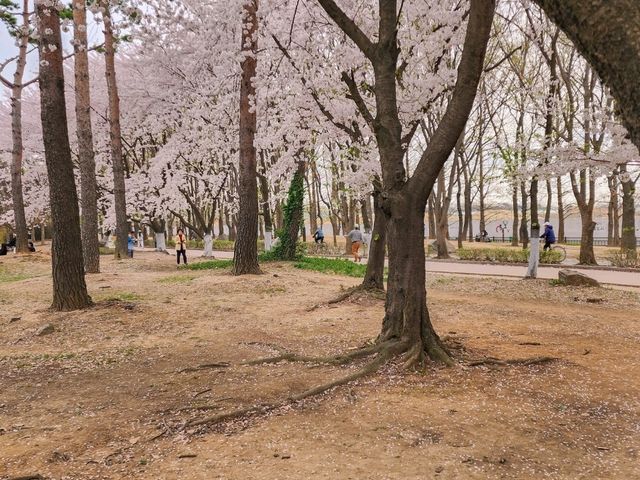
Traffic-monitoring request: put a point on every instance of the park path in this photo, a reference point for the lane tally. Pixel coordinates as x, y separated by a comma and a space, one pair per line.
605, 276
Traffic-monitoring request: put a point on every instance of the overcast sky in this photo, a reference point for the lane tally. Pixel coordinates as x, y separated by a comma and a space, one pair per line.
8, 49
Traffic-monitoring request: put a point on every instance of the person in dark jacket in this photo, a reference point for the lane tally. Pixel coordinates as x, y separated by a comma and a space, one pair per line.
548, 235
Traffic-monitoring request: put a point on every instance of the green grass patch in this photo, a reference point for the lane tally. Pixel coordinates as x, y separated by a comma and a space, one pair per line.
175, 279
8, 277
123, 297
506, 255
107, 251
332, 265
209, 265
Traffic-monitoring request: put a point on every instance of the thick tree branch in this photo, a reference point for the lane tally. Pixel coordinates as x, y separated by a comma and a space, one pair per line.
452, 124
349, 27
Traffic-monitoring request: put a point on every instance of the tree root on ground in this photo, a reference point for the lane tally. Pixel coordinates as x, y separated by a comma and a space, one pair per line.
340, 359
360, 289
204, 366
512, 362
384, 352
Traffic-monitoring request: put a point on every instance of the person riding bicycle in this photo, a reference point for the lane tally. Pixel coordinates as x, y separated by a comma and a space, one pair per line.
548, 235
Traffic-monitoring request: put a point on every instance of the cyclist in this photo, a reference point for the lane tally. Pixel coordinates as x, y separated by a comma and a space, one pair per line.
548, 235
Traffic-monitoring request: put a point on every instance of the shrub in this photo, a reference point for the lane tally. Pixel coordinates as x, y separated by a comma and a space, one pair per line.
624, 259
506, 255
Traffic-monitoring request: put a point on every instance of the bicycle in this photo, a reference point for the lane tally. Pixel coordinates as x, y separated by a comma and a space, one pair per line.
561, 250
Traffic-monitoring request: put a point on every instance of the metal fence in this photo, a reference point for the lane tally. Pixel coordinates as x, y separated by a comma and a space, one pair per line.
597, 241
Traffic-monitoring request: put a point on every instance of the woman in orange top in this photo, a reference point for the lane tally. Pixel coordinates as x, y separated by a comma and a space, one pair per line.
181, 246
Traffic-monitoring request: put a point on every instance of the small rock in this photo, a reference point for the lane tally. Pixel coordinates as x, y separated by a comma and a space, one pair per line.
576, 279
14, 319
46, 329
285, 456
595, 300
276, 275
439, 469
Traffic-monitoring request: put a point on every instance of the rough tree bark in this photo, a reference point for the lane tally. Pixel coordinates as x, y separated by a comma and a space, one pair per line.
86, 156
115, 136
407, 318
69, 287
245, 255
17, 150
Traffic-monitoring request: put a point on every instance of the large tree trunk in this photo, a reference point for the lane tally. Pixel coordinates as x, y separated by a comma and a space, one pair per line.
17, 151
115, 136
587, 254
69, 287
86, 158
245, 254
406, 313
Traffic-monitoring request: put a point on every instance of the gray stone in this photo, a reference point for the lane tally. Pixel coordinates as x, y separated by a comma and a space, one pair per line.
45, 329
576, 279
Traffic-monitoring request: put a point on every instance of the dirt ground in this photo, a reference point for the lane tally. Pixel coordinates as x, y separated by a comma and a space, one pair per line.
86, 401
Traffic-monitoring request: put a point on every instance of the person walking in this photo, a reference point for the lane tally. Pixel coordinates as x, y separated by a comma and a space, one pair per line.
548, 235
181, 246
357, 239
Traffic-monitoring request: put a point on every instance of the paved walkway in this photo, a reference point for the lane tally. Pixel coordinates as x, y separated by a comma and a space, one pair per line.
609, 277
605, 276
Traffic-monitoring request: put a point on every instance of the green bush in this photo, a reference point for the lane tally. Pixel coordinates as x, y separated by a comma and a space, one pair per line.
506, 255
332, 265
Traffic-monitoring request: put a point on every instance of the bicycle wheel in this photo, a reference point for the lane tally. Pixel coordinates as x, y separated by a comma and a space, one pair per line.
562, 252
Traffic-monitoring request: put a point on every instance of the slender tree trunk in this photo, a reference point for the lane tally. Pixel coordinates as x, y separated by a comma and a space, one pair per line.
524, 229
245, 255
17, 151
69, 287
374, 276
266, 209
547, 210
516, 217
463, 224
628, 217
432, 218
115, 136
86, 158
483, 222
560, 210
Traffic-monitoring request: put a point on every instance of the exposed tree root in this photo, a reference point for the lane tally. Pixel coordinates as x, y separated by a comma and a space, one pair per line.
204, 366
330, 360
360, 289
384, 352
513, 362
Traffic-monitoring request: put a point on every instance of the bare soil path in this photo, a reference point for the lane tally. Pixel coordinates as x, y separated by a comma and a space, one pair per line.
84, 401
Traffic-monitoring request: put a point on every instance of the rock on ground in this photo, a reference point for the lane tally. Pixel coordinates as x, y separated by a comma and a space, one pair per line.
577, 279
